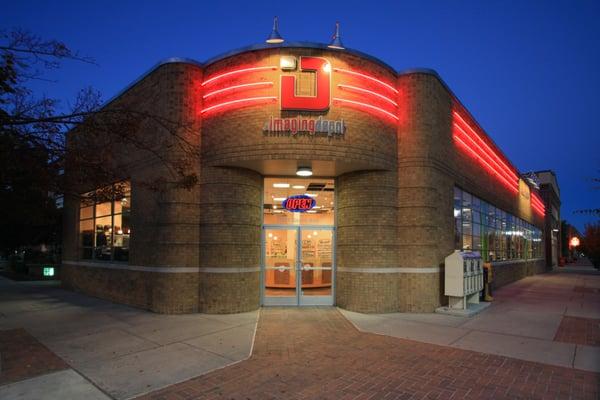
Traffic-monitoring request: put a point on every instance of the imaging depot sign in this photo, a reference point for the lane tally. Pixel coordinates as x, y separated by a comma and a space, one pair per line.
290, 101
310, 126
299, 203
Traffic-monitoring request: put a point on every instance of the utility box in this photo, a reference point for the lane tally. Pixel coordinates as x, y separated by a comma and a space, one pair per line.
463, 279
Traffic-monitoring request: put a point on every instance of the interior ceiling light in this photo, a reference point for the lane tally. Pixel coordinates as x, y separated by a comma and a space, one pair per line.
298, 187
275, 37
311, 195
279, 198
281, 185
336, 41
304, 171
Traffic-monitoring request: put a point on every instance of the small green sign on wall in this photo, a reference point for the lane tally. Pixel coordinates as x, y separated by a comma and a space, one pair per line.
48, 271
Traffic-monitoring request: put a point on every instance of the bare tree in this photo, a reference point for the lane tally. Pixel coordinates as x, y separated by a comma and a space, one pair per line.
592, 211
42, 123
36, 131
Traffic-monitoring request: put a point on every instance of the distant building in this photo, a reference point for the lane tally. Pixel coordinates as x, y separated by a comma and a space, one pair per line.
550, 193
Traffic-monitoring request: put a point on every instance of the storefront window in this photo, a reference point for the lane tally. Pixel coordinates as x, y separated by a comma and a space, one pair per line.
276, 190
498, 235
104, 223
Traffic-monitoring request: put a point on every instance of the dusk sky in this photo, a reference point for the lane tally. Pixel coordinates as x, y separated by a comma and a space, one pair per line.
527, 70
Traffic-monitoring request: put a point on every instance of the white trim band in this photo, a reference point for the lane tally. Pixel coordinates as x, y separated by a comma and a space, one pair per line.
228, 270
400, 270
140, 268
164, 270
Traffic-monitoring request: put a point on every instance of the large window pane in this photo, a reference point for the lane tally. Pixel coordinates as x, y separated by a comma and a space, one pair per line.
105, 227
122, 204
499, 235
277, 190
86, 229
104, 230
103, 209
86, 212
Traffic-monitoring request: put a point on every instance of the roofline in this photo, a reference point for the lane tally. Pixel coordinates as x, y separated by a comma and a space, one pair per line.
292, 45
171, 60
553, 174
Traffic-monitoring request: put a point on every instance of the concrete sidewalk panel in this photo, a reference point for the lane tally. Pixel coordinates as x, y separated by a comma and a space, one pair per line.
430, 318
234, 319
141, 372
583, 310
234, 343
543, 351
105, 345
172, 330
406, 329
63, 385
587, 358
518, 323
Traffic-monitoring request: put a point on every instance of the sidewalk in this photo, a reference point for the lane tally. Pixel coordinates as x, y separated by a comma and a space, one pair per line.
315, 353
539, 339
552, 318
106, 350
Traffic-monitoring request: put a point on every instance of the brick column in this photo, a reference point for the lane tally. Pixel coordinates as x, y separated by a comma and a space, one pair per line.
367, 244
230, 242
425, 218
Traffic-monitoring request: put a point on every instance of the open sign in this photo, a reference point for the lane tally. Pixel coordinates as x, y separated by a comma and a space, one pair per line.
299, 203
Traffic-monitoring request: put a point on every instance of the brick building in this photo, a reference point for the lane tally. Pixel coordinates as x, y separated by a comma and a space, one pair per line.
550, 193
326, 177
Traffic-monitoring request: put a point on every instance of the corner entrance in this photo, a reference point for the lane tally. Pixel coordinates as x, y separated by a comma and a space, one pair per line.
298, 263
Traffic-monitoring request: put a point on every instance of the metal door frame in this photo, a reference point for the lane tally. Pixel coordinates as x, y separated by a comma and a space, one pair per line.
299, 299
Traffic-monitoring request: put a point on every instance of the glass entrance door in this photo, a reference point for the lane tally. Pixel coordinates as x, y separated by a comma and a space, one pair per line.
298, 265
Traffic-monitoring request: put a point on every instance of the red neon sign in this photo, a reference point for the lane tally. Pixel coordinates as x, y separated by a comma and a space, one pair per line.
320, 102
365, 106
483, 162
537, 204
237, 72
369, 92
238, 88
368, 77
239, 103
299, 203
492, 152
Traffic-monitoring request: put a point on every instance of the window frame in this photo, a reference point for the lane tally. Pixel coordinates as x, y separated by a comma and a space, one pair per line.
502, 235
92, 197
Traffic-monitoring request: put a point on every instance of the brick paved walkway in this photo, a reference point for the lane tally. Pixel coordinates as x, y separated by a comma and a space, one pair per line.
22, 357
579, 331
316, 353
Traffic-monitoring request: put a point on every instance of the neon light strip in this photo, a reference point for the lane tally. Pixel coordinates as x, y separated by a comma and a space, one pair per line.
535, 200
346, 71
513, 175
497, 159
238, 71
466, 146
244, 86
499, 169
249, 99
357, 89
539, 210
367, 106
